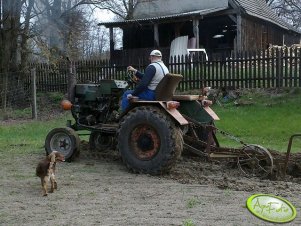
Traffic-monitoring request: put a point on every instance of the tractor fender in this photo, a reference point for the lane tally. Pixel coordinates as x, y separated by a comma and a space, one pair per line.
174, 113
211, 113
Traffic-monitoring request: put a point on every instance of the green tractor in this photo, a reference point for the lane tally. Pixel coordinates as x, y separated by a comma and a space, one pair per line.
150, 135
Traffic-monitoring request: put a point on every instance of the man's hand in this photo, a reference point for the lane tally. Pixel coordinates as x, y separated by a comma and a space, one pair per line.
133, 76
130, 68
129, 96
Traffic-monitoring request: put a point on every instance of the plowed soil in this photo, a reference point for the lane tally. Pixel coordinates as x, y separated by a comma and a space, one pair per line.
97, 189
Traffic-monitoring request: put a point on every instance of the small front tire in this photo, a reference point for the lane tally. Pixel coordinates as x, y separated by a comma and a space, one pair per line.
63, 140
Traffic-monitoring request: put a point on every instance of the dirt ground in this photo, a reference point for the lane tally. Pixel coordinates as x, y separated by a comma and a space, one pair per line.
97, 189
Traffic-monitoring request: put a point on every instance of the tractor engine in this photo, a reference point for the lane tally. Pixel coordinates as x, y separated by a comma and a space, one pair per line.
97, 103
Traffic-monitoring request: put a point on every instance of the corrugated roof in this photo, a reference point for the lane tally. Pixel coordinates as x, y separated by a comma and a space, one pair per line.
191, 13
158, 8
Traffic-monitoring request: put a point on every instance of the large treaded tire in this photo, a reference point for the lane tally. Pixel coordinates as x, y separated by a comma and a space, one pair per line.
63, 140
149, 141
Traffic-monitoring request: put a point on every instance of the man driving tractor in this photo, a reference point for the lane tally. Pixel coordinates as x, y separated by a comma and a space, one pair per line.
145, 89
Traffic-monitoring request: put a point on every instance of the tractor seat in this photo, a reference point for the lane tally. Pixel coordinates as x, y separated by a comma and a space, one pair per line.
166, 88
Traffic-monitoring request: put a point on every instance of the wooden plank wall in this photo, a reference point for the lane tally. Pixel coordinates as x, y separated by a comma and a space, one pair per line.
258, 35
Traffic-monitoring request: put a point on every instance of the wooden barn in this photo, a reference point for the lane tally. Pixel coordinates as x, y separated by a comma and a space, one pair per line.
219, 26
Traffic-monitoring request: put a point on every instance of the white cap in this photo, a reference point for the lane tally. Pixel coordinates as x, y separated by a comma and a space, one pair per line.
156, 53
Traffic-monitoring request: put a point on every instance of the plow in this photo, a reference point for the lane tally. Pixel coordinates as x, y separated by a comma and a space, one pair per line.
252, 160
151, 135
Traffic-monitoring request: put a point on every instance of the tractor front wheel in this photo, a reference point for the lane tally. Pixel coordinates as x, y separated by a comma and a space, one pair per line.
63, 140
149, 141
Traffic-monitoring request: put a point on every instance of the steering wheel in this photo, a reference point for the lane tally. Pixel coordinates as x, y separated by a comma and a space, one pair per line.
131, 78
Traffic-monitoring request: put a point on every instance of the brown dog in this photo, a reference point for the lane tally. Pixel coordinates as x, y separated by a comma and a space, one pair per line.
46, 170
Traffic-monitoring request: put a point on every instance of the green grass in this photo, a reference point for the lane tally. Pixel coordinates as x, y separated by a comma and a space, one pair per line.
28, 137
188, 222
269, 121
192, 202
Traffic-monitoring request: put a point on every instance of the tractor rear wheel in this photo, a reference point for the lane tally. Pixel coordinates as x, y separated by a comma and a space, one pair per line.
149, 141
63, 140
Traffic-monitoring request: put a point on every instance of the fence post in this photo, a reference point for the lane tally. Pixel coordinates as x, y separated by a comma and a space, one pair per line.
278, 68
34, 94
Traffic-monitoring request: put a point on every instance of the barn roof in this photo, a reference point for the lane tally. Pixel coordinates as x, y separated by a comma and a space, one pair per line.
168, 16
158, 8
168, 9
259, 9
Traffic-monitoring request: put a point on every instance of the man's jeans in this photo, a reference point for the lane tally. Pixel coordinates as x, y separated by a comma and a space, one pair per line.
145, 95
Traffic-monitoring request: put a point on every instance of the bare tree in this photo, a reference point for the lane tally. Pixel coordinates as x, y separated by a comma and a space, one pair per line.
9, 30
121, 8
67, 29
97, 43
269, 2
64, 20
289, 10
59, 29
14, 34
26, 34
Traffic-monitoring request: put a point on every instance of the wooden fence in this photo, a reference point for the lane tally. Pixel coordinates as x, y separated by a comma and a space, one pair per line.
272, 68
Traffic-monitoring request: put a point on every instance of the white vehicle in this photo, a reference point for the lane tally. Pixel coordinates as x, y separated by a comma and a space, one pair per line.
190, 52
178, 48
